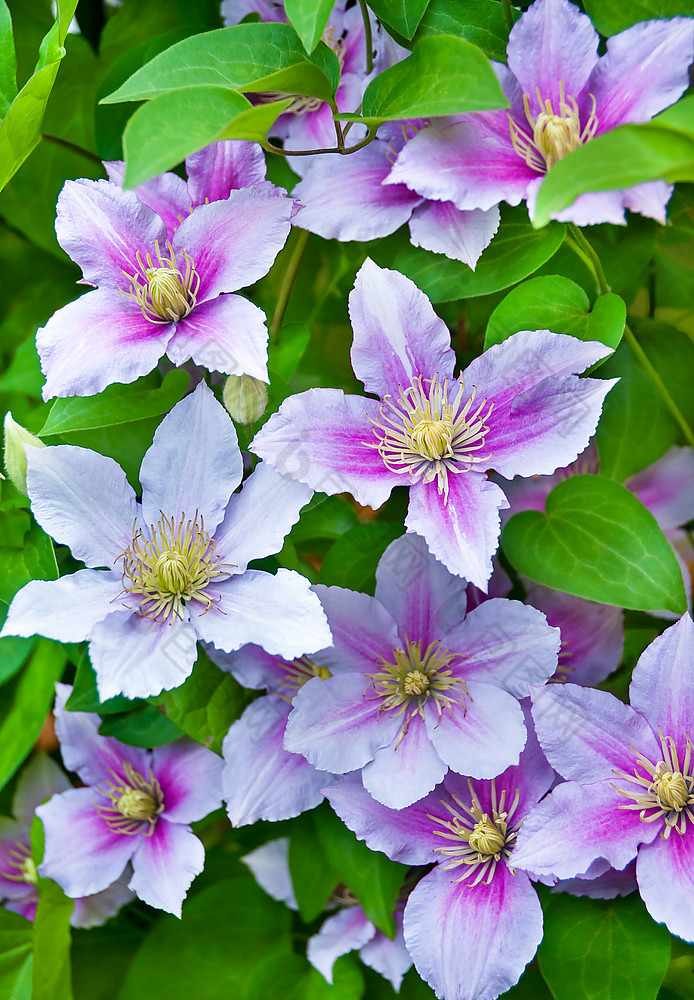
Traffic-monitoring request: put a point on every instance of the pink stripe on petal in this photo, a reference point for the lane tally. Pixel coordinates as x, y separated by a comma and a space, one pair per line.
222, 167
190, 776
665, 874
227, 334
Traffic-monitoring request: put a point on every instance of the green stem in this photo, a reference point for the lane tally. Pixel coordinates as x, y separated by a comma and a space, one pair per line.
271, 148
367, 37
590, 253
660, 385
288, 282
87, 154
508, 13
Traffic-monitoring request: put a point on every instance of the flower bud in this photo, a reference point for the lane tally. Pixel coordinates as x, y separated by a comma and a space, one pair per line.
245, 398
16, 437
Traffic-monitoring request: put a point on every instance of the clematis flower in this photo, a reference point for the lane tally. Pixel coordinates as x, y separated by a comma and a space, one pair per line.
136, 808
630, 792
562, 95
473, 923
19, 892
347, 930
346, 198
159, 292
176, 564
518, 409
415, 687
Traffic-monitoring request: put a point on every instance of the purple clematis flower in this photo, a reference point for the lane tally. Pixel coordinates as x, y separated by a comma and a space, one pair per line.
160, 291
346, 198
518, 408
176, 564
473, 923
19, 892
562, 95
416, 687
347, 930
630, 792
136, 809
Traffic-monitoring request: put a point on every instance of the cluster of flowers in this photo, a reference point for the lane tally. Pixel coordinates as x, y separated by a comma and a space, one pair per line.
410, 711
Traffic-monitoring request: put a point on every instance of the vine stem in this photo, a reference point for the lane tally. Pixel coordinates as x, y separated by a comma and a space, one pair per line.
587, 251
660, 385
508, 13
271, 148
86, 153
368, 41
288, 282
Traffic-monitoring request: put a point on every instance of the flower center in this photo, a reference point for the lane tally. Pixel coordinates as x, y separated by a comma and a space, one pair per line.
171, 565
136, 802
299, 672
425, 434
163, 292
22, 865
477, 839
664, 790
553, 135
415, 676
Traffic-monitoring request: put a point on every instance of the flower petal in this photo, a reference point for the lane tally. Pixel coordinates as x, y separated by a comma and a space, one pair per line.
324, 438
222, 167
67, 609
40, 779
397, 334
472, 943
165, 864
261, 779
463, 533
259, 517
649, 199
343, 932
665, 874
83, 855
94, 910
390, 958
167, 194
11, 835
102, 228
665, 487
100, 338
270, 866
194, 463
251, 666
364, 632
404, 771
227, 334
608, 886
461, 235
190, 776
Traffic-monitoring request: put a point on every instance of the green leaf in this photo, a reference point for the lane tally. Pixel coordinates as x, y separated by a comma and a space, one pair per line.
16, 958
117, 404
602, 949
514, 253
34, 561
84, 696
309, 19
444, 75
286, 354
226, 932
143, 727
246, 57
52, 973
330, 518
290, 977
613, 16
597, 541
479, 21
671, 352
8, 60
351, 561
558, 304
530, 987
313, 877
206, 704
402, 15
254, 123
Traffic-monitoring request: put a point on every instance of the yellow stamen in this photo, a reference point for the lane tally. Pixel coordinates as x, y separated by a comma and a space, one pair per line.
664, 790
553, 135
164, 293
136, 802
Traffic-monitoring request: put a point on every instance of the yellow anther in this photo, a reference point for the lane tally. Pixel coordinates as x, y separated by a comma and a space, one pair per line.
486, 837
136, 804
415, 682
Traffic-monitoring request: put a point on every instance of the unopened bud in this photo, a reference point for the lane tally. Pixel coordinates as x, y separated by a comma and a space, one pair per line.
16, 437
245, 398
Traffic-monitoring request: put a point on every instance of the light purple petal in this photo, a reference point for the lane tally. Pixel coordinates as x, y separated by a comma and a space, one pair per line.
608, 886
227, 334
251, 666
649, 199
464, 533
166, 194
666, 487
506, 643
552, 42
661, 684
261, 779
270, 866
324, 438
190, 776
364, 632
665, 874
336, 725
344, 197
233, 243
472, 943
165, 864
485, 739
461, 235
425, 600
101, 227
404, 771
94, 910
67, 609
390, 958
397, 334
83, 855
11, 834
259, 517
586, 734
279, 613
222, 167
40, 779
592, 635
194, 463
100, 338
139, 658
644, 71
404, 835
576, 826
83, 500
344, 932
